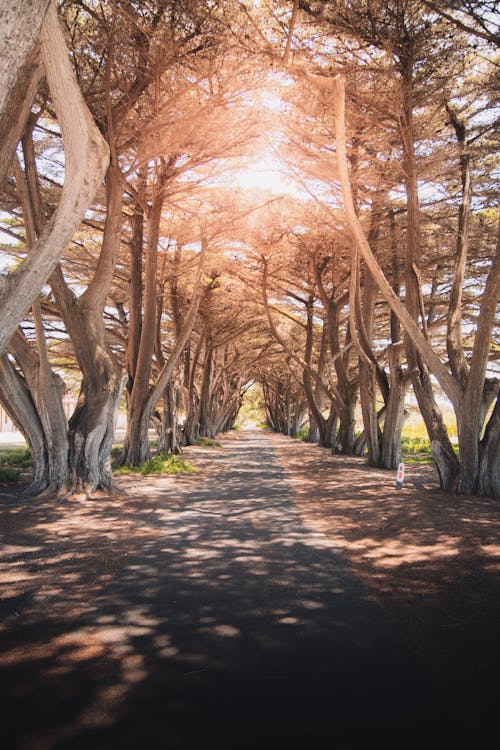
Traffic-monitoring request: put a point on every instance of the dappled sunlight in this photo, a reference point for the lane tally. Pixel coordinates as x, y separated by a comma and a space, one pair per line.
431, 559
393, 552
185, 597
359, 509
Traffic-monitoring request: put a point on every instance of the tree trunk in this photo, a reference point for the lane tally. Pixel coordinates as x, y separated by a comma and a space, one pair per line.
20, 26
136, 447
442, 450
475, 454
15, 116
367, 391
206, 391
86, 159
168, 429
489, 465
422, 345
91, 430
48, 448
20, 74
345, 439
135, 285
91, 426
394, 413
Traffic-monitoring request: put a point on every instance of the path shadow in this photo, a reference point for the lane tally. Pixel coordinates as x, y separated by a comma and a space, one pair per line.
210, 618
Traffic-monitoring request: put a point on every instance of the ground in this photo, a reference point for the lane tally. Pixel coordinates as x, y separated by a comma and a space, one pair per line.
431, 559
94, 594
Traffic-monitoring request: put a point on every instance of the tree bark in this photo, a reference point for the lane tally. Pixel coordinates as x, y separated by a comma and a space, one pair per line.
489, 466
16, 114
136, 446
394, 413
18, 403
91, 427
86, 159
421, 344
479, 469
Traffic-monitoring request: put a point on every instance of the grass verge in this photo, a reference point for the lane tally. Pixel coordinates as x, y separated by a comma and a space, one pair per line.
13, 461
159, 464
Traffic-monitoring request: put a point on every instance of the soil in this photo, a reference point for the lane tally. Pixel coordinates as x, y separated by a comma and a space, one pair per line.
430, 563
431, 559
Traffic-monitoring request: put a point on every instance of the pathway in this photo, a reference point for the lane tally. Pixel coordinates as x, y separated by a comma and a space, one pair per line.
226, 623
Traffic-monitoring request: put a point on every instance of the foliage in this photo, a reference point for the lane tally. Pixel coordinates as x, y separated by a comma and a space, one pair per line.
207, 442
19, 457
415, 445
159, 464
302, 434
9, 475
12, 463
252, 410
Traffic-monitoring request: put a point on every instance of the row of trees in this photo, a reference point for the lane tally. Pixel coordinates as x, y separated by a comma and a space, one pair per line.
378, 272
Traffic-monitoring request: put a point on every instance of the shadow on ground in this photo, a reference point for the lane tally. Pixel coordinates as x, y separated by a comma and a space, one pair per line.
199, 613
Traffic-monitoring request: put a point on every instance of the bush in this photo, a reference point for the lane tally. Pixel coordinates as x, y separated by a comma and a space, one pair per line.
302, 434
12, 463
207, 442
19, 457
9, 475
415, 445
159, 464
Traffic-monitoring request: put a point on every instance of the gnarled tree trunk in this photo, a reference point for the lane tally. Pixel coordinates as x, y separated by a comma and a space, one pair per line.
86, 159
91, 426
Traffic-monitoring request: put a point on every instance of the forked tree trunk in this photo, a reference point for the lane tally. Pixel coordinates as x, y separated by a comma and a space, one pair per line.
86, 159
480, 468
48, 425
442, 449
46, 439
136, 446
420, 351
46, 391
91, 430
91, 426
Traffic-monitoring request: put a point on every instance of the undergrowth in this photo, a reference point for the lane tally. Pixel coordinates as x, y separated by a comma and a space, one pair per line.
159, 464
415, 445
12, 463
302, 434
207, 442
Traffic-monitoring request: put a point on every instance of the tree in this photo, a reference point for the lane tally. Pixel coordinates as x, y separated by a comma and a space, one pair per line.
403, 34
86, 158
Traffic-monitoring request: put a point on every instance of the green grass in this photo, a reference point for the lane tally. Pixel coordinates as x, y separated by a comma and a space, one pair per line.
19, 457
12, 463
302, 434
8, 475
116, 452
159, 464
207, 442
418, 458
416, 445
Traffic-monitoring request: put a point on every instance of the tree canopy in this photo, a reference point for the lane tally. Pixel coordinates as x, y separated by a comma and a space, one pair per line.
198, 196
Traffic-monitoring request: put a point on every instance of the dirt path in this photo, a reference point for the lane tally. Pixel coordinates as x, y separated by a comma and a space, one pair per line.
205, 611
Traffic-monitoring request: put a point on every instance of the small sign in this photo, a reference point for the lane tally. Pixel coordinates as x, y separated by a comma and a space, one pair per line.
400, 476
